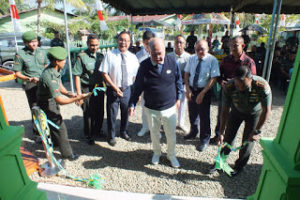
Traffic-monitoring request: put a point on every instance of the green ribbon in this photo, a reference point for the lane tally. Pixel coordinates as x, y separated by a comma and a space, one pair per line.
98, 89
220, 159
93, 181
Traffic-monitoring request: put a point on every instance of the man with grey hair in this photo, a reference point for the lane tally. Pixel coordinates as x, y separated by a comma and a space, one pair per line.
142, 55
159, 78
200, 75
181, 56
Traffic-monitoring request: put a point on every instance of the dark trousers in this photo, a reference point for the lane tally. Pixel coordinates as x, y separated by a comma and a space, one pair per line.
93, 113
234, 121
96, 111
86, 116
112, 107
202, 112
30, 91
60, 136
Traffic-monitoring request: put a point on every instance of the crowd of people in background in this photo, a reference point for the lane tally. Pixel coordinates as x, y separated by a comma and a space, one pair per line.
167, 80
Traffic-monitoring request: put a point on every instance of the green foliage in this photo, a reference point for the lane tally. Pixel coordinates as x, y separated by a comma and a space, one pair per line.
113, 28
5, 7
263, 39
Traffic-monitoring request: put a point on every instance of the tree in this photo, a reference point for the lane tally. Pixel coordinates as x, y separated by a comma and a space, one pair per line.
5, 7
51, 3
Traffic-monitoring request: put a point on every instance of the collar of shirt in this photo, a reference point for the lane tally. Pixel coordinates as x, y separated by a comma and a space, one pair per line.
203, 58
242, 57
179, 56
154, 64
54, 71
89, 53
28, 51
124, 53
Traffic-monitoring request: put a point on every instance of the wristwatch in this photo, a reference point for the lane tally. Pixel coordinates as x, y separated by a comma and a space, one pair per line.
257, 131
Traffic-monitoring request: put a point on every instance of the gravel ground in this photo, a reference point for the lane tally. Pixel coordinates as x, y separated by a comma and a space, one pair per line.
127, 166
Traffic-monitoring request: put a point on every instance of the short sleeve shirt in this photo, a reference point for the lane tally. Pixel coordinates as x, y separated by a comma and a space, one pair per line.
86, 67
142, 55
249, 101
30, 63
49, 84
209, 69
112, 66
229, 65
181, 60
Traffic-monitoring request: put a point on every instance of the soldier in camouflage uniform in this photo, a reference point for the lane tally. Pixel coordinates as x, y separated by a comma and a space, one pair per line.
29, 64
50, 95
87, 76
249, 97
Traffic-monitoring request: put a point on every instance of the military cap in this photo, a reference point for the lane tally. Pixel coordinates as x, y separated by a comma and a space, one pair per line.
28, 36
58, 53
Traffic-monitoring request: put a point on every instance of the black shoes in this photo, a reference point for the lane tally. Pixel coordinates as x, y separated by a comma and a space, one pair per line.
189, 137
212, 170
125, 137
73, 157
202, 147
236, 171
214, 140
111, 142
91, 141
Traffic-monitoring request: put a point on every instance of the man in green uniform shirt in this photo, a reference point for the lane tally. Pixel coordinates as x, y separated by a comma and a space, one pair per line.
29, 64
249, 97
87, 76
50, 95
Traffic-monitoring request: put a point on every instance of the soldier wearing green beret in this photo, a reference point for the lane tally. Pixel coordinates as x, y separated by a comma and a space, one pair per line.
247, 98
29, 64
50, 95
87, 77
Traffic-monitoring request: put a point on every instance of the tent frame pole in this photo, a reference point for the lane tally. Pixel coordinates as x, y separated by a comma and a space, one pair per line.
269, 40
269, 68
68, 48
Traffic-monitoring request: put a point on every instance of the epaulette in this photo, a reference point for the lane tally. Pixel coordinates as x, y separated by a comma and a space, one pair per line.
229, 86
81, 53
260, 84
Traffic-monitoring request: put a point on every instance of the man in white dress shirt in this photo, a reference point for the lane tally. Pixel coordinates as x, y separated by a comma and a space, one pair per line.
181, 56
119, 69
201, 73
142, 55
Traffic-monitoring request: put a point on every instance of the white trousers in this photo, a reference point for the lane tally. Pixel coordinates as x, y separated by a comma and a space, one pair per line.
144, 117
168, 118
182, 109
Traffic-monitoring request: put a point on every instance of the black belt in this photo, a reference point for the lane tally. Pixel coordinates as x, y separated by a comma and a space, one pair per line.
196, 89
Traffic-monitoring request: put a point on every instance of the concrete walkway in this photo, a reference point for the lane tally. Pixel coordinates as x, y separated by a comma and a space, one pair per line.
55, 192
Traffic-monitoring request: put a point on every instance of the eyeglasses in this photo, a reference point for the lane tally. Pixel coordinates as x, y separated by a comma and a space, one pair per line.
123, 41
200, 49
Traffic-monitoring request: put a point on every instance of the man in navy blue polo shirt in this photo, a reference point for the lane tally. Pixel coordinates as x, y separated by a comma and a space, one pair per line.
160, 79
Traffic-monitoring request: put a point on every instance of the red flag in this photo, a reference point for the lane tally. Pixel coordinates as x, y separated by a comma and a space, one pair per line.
14, 16
99, 7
